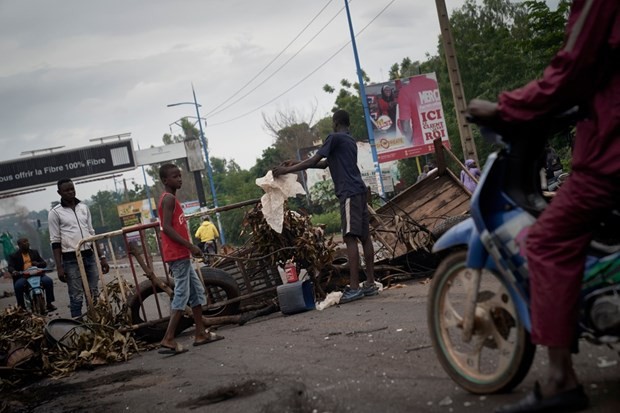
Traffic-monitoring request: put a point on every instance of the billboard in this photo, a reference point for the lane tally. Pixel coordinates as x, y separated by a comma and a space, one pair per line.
47, 169
407, 117
389, 170
136, 212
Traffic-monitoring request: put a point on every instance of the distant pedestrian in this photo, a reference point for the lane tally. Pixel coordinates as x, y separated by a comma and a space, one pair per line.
70, 222
469, 183
176, 251
207, 234
424, 173
340, 150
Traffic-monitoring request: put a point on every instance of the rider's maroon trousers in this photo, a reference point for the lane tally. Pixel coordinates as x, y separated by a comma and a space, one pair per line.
556, 247
586, 72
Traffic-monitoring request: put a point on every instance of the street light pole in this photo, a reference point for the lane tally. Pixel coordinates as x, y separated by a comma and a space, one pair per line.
371, 133
209, 170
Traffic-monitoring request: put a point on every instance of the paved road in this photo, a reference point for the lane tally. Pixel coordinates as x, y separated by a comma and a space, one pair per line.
373, 355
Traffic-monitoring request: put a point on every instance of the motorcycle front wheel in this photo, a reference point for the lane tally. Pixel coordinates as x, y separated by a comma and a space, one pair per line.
500, 352
38, 304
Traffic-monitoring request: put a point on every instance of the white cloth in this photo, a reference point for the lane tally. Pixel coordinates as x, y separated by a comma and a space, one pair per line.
276, 192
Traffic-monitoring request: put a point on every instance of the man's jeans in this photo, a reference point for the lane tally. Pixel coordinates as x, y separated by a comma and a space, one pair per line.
74, 282
46, 282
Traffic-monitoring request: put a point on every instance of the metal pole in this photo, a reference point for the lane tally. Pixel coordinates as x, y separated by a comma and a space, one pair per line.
371, 133
209, 170
148, 191
458, 94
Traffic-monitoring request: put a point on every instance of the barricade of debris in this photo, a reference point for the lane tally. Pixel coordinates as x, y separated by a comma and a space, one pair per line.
31, 346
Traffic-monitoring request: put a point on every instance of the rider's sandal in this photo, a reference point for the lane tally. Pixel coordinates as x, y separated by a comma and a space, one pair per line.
573, 400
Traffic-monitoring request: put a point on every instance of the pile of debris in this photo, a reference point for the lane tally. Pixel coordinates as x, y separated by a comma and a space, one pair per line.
299, 242
29, 347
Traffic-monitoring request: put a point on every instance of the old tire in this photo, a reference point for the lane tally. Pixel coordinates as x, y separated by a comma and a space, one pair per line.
500, 352
147, 294
448, 223
220, 286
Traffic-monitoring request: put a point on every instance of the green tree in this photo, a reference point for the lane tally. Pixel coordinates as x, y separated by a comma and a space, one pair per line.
348, 98
104, 211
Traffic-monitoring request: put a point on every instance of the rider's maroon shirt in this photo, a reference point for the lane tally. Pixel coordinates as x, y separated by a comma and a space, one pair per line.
586, 72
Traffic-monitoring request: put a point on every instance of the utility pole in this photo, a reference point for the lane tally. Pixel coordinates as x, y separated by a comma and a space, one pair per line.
458, 95
371, 134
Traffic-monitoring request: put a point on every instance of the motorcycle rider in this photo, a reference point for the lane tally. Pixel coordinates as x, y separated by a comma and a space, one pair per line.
586, 72
21, 260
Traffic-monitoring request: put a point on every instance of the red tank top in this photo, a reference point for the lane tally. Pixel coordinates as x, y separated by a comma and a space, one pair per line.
171, 250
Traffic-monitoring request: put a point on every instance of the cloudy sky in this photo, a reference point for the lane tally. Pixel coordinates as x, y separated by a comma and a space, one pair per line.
73, 70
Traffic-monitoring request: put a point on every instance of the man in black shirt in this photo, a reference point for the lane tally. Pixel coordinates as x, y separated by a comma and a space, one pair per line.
340, 153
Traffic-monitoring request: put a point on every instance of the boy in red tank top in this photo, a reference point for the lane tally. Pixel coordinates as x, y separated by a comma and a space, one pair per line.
176, 251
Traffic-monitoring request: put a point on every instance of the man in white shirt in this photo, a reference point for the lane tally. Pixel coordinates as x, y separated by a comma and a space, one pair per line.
69, 222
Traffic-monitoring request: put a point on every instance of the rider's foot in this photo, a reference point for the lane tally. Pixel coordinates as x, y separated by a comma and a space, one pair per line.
51, 307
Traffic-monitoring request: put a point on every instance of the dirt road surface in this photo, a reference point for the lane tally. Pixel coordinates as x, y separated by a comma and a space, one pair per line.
373, 355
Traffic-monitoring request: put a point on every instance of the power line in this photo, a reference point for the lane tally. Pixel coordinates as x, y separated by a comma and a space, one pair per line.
271, 62
221, 109
309, 74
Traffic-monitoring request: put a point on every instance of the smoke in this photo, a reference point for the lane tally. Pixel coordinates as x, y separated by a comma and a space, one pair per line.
14, 220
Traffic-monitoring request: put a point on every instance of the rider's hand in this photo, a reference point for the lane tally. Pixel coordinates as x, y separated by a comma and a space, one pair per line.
483, 110
196, 252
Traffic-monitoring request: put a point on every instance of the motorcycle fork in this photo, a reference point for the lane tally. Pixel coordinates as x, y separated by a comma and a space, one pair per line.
473, 276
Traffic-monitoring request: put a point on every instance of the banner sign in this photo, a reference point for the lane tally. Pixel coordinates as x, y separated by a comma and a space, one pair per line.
140, 209
389, 170
79, 163
407, 117
190, 207
131, 219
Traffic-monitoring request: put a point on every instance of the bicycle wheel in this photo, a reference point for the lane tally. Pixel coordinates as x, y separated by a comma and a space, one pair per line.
500, 352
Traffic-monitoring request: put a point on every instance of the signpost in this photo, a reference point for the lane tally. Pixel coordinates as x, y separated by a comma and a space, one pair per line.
47, 169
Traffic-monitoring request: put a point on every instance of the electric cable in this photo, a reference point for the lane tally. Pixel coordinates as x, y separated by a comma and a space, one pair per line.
307, 76
282, 66
272, 60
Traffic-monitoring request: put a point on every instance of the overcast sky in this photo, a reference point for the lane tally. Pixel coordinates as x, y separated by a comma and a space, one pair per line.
73, 70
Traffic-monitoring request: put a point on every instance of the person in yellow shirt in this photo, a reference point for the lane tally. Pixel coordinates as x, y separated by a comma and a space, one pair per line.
207, 234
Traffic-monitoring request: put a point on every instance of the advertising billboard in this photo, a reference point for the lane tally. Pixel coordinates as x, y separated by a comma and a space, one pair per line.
389, 170
407, 116
77, 163
136, 212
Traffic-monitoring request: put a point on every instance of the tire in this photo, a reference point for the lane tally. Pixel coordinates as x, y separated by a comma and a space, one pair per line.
157, 331
500, 352
220, 286
38, 304
448, 223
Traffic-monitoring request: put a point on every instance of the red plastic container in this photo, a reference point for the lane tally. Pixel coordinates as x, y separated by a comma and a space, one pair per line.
291, 272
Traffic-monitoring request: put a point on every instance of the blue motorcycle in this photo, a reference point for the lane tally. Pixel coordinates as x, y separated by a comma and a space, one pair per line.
478, 306
34, 295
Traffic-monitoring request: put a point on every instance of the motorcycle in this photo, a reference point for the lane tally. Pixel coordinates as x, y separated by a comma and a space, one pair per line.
478, 307
34, 295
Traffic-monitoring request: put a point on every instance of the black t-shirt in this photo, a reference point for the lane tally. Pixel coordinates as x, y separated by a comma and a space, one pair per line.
340, 150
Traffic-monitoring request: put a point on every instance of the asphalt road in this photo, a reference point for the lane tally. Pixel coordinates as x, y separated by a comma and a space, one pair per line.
373, 355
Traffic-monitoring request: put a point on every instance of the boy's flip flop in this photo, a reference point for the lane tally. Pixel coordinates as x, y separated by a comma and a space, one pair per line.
212, 337
172, 351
